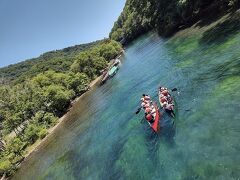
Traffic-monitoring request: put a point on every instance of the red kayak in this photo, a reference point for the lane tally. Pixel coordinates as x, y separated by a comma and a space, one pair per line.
155, 124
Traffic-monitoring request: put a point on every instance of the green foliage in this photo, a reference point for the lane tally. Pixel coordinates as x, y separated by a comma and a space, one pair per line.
42, 133
59, 61
50, 77
117, 35
166, 16
5, 165
78, 82
45, 118
56, 98
92, 61
15, 146
31, 133
41, 92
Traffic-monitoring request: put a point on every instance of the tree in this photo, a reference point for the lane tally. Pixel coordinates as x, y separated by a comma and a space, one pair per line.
15, 146
57, 98
78, 82
99, 64
12, 122
44, 118
117, 35
108, 51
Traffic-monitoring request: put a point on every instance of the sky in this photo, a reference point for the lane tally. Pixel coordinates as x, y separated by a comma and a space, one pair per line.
29, 28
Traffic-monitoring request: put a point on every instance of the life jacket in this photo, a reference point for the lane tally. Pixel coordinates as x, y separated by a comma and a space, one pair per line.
148, 110
149, 117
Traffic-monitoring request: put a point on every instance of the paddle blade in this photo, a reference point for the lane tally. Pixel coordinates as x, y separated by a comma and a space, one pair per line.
174, 89
139, 109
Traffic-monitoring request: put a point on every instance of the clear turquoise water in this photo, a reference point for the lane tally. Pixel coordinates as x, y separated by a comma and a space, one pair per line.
104, 139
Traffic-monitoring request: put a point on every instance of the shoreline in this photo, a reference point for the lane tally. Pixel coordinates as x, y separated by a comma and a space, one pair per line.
35, 147
40, 143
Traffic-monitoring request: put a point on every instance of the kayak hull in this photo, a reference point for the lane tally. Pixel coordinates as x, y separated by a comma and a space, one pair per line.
155, 125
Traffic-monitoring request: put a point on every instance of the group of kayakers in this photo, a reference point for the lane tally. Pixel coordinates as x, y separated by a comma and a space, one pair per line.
148, 107
152, 113
166, 100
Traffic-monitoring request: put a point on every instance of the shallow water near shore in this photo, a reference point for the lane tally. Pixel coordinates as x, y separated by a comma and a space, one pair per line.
105, 139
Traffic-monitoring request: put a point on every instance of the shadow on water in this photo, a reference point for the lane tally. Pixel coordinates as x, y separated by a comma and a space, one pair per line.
168, 128
166, 133
115, 154
222, 31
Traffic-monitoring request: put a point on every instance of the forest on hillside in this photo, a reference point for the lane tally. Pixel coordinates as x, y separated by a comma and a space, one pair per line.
38, 92
58, 60
166, 16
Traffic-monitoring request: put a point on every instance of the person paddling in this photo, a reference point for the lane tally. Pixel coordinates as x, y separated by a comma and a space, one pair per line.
146, 97
169, 108
145, 103
166, 100
150, 113
163, 99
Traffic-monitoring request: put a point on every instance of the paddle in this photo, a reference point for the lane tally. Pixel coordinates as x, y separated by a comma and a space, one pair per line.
174, 89
139, 109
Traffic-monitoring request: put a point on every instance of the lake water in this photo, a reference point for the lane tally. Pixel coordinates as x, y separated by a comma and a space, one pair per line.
105, 139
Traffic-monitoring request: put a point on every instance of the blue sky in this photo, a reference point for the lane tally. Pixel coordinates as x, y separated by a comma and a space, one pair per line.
29, 28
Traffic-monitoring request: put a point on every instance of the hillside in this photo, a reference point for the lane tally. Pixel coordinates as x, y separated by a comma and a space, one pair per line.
165, 16
59, 61
39, 91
